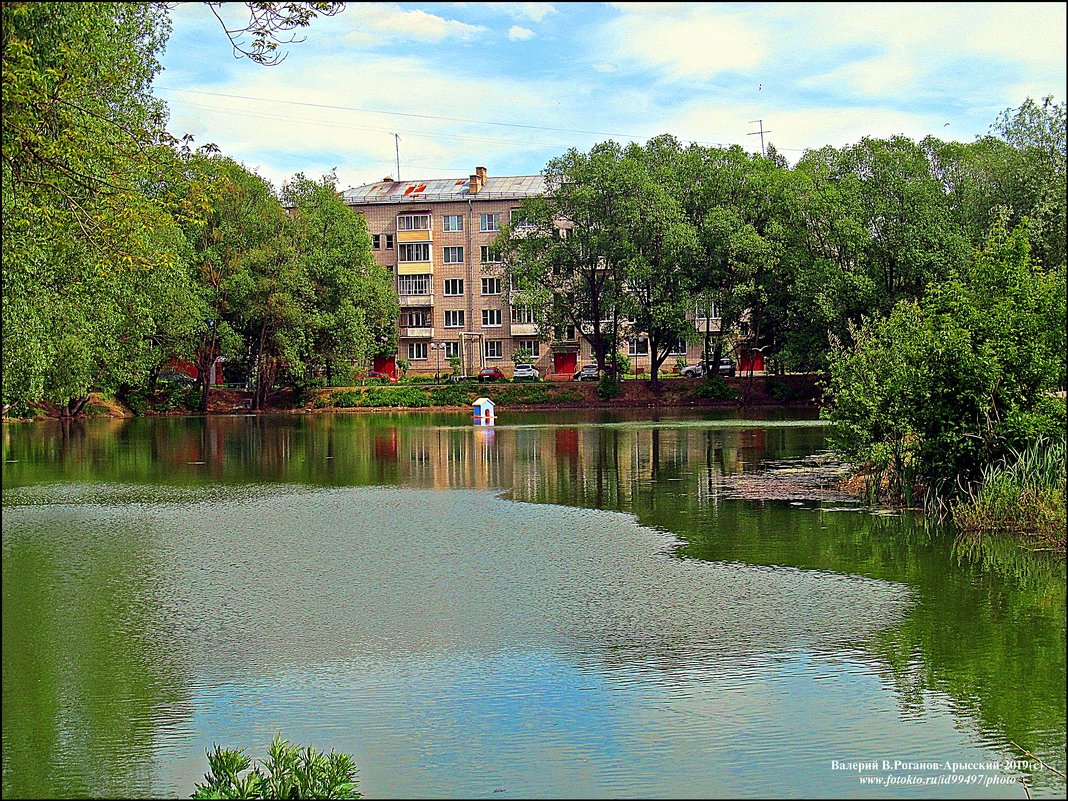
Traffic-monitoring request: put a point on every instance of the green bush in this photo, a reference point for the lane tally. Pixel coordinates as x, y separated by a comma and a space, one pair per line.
394, 396
520, 394
567, 396
608, 387
288, 772
343, 399
716, 388
782, 391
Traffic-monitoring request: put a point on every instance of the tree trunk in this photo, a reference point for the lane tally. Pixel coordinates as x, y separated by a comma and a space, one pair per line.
74, 406
330, 372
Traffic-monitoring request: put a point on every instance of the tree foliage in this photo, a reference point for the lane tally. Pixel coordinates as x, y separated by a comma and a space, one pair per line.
953, 381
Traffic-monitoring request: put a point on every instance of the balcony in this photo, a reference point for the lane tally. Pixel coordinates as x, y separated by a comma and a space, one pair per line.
524, 329
411, 332
416, 300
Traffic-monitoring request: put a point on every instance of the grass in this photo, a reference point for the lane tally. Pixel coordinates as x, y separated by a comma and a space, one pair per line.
1023, 494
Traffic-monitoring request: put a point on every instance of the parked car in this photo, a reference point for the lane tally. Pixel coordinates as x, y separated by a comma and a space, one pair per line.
590, 372
726, 368
490, 374
177, 379
526, 372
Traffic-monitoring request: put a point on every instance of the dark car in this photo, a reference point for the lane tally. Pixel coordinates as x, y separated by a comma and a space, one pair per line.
590, 372
176, 379
490, 374
726, 368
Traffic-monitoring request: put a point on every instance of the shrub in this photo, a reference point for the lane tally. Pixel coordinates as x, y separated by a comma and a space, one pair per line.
288, 772
716, 388
782, 391
394, 396
608, 387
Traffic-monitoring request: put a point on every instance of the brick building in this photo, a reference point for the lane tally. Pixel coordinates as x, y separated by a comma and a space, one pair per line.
435, 236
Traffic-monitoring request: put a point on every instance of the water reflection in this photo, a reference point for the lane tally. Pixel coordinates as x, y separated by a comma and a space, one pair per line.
977, 630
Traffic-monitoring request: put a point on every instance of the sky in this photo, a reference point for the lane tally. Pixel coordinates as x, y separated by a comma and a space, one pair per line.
509, 86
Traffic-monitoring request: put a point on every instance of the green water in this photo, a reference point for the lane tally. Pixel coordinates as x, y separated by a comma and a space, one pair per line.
568, 605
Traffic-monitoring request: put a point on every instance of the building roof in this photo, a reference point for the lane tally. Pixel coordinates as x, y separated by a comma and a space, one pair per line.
442, 190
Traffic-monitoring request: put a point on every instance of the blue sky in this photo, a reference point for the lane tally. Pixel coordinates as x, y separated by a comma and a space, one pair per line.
510, 85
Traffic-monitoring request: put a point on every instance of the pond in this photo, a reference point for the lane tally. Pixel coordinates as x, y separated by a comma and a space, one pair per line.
565, 605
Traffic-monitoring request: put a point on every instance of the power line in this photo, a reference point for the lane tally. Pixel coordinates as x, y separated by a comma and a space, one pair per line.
633, 137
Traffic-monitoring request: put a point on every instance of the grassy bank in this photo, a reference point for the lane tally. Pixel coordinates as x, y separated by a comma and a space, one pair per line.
1023, 494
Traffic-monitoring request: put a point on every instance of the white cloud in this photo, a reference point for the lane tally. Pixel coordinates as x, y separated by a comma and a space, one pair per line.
391, 21
605, 67
519, 34
684, 40
535, 12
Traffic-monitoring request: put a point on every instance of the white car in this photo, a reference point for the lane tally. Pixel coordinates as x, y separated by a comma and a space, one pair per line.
526, 372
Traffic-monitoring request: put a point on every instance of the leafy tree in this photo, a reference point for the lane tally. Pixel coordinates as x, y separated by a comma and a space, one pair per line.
354, 306
953, 381
566, 254
522, 356
659, 244
231, 215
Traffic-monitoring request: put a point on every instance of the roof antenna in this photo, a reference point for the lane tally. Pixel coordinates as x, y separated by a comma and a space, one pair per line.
396, 141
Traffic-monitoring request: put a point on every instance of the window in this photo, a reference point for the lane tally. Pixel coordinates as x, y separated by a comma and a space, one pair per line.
638, 347
518, 219
491, 318
678, 349
414, 251
454, 287
489, 255
376, 241
522, 314
491, 286
415, 319
389, 241
710, 311
533, 345
452, 222
564, 333
453, 255
451, 349
517, 284
414, 222
490, 222
454, 319
413, 284
494, 349
417, 351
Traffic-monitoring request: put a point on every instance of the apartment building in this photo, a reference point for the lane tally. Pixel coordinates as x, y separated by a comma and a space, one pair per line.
436, 237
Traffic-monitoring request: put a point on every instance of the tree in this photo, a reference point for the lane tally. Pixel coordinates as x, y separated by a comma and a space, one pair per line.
354, 306
953, 381
565, 254
659, 245
95, 281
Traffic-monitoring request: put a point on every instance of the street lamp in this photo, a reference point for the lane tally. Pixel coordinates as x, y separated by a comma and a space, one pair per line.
438, 346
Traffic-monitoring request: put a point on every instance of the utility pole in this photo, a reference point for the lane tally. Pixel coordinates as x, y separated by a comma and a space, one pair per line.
761, 132
396, 142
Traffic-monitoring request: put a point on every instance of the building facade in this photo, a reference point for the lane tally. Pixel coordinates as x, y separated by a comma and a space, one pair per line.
436, 238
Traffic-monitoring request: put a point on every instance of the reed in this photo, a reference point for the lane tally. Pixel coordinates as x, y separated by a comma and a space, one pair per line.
1022, 494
